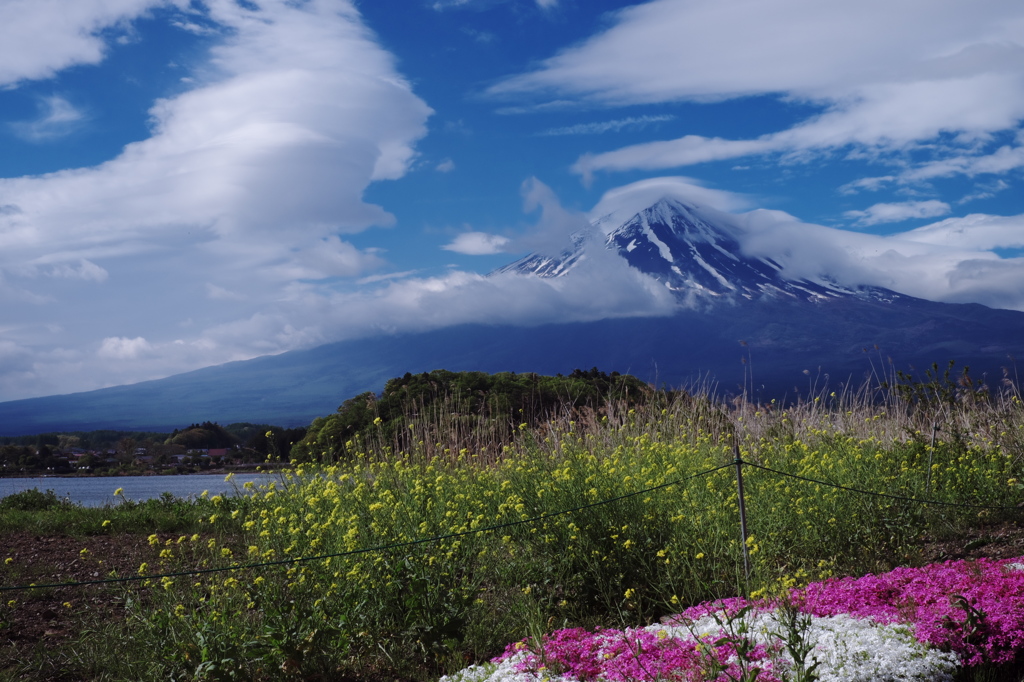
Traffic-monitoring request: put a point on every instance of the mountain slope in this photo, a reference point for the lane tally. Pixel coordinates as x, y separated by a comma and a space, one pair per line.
783, 337
725, 296
696, 254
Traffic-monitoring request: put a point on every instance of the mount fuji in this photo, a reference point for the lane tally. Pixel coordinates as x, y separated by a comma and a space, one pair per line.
696, 254
740, 323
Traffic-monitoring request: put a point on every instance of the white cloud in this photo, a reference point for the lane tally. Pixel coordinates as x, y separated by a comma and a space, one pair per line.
555, 226
58, 118
599, 127
1004, 159
221, 294
305, 314
233, 206
816, 50
269, 156
41, 37
602, 287
85, 270
884, 75
442, 5
477, 244
984, 191
446, 166
897, 212
326, 258
193, 27
121, 348
949, 261
620, 204
386, 277
685, 151
975, 231
867, 184
551, 106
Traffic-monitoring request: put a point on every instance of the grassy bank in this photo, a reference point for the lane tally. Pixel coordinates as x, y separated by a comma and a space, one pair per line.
613, 518
44, 513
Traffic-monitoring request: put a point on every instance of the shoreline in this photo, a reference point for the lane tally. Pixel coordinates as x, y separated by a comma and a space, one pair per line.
240, 469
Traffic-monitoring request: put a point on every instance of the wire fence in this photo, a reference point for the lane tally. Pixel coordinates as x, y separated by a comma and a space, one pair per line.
738, 463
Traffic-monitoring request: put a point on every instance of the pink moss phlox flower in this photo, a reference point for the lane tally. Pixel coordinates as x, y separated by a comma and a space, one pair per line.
987, 624
758, 659
575, 651
643, 655
722, 607
635, 655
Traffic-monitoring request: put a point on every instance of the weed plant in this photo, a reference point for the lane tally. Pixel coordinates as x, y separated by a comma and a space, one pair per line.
44, 513
415, 563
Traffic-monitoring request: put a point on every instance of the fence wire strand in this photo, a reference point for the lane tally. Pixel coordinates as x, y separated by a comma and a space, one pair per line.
367, 550
877, 494
500, 526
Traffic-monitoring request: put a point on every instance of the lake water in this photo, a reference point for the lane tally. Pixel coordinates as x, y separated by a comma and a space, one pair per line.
96, 491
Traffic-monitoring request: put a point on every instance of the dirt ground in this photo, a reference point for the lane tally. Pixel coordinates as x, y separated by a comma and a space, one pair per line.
47, 620
1003, 540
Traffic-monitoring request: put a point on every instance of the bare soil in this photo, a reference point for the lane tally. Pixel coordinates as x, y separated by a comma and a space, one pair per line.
46, 620
1001, 540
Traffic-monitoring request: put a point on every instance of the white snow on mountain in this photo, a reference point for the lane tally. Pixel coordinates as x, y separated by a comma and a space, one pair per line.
694, 251
692, 241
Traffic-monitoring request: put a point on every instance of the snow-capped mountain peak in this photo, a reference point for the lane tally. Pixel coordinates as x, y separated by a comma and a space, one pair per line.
693, 251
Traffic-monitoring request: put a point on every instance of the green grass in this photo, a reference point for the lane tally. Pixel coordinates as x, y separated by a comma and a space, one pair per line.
44, 513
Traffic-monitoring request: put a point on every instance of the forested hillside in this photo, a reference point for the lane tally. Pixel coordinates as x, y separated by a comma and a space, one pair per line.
484, 408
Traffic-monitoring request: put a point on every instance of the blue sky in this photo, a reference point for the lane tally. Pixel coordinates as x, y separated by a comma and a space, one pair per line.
185, 183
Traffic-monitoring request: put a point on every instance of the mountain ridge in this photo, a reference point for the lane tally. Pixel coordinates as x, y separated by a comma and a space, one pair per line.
725, 297
696, 256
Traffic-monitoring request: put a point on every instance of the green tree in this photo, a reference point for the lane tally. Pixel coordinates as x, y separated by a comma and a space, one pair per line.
475, 404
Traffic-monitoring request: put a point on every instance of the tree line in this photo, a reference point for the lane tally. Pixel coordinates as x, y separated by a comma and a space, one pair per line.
116, 450
481, 407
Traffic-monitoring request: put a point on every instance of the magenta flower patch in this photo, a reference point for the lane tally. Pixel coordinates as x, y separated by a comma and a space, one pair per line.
974, 608
908, 624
